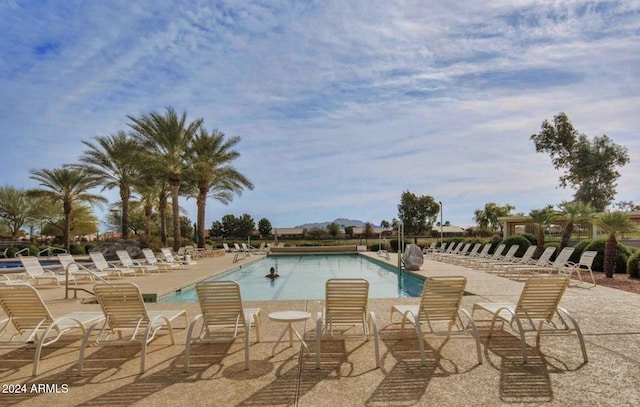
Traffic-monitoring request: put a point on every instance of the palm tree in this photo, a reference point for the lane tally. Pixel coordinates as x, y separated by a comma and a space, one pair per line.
612, 223
210, 173
67, 186
572, 212
540, 219
167, 139
113, 160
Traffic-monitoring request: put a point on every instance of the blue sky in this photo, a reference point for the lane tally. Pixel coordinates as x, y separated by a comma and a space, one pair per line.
341, 105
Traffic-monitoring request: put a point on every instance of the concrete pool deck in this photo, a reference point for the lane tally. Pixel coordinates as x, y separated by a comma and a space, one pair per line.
285, 376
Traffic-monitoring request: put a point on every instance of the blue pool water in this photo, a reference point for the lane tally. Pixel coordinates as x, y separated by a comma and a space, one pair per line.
18, 264
304, 277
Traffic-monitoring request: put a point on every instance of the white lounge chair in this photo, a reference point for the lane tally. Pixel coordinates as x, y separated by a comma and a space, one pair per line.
346, 308
223, 315
542, 261
537, 311
128, 319
78, 270
101, 264
168, 257
128, 262
439, 312
559, 264
526, 259
34, 323
36, 273
152, 260
583, 265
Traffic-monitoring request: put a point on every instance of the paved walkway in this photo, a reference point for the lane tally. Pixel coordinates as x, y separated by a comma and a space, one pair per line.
285, 376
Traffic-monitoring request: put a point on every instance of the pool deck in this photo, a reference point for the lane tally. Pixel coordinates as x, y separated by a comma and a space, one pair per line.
285, 376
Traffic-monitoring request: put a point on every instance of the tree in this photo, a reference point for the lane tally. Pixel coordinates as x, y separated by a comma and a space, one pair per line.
114, 162
417, 213
384, 224
186, 227
316, 233
167, 139
16, 209
572, 212
333, 230
246, 225
541, 219
264, 227
211, 174
66, 186
367, 232
216, 229
627, 206
83, 223
348, 230
613, 223
589, 165
488, 218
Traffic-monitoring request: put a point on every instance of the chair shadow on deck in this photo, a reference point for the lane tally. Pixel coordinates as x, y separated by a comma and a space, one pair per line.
519, 382
405, 384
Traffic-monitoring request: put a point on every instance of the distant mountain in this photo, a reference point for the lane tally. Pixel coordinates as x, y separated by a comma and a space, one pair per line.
339, 222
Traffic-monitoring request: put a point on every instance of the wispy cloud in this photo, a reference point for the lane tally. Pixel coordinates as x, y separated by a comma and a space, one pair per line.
341, 106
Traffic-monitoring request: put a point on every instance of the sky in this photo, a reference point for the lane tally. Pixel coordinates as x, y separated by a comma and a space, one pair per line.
340, 105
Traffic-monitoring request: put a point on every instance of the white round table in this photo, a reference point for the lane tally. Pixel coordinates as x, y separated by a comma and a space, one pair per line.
290, 317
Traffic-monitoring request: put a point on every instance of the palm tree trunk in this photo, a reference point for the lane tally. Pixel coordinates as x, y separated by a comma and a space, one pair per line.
610, 249
66, 238
566, 235
162, 211
175, 188
201, 203
124, 197
148, 211
539, 242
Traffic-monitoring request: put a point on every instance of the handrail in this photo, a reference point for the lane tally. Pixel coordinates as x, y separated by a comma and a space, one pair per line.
21, 251
52, 249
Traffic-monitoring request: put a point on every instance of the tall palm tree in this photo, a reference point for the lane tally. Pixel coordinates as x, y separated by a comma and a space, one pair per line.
540, 219
66, 186
114, 161
166, 138
613, 223
210, 173
572, 212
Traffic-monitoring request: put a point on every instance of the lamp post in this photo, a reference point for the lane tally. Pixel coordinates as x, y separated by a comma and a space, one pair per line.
441, 234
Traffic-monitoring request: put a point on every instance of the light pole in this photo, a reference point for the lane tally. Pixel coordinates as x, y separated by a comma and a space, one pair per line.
441, 235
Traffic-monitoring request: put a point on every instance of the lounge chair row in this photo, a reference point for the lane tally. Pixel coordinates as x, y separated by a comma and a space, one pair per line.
100, 271
503, 261
125, 317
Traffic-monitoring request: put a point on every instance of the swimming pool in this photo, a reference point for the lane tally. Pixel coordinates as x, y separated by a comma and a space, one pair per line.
303, 277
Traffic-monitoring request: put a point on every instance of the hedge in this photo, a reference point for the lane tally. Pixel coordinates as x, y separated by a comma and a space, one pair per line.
578, 249
519, 240
633, 265
622, 255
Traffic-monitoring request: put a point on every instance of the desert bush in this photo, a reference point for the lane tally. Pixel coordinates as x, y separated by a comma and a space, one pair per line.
578, 249
633, 265
76, 249
33, 250
11, 251
375, 247
495, 242
519, 240
394, 244
530, 237
622, 255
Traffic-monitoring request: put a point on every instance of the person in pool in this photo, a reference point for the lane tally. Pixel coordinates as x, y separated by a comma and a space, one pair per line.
272, 274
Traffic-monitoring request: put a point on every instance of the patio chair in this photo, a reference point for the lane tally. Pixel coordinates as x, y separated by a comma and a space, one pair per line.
537, 311
482, 254
78, 270
498, 255
128, 319
33, 323
227, 248
561, 262
439, 312
584, 264
500, 266
345, 309
169, 259
36, 273
101, 264
152, 260
223, 316
128, 262
543, 261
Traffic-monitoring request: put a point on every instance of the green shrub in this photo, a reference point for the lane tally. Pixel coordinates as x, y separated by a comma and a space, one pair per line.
88, 247
530, 237
33, 250
633, 265
622, 255
76, 249
578, 249
394, 244
519, 240
375, 247
11, 251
